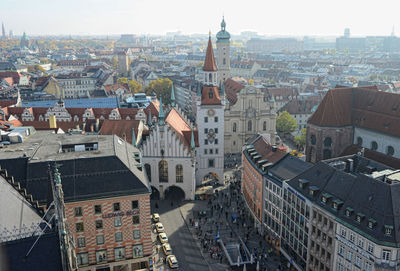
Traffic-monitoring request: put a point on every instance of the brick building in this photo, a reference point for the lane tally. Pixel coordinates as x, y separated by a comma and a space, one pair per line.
106, 194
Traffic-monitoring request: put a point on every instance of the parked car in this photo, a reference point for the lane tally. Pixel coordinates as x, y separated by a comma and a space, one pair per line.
167, 249
172, 262
156, 218
159, 227
163, 238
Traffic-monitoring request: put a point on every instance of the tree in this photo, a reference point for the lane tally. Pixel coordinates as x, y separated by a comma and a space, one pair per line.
114, 62
285, 123
301, 139
135, 86
160, 86
122, 80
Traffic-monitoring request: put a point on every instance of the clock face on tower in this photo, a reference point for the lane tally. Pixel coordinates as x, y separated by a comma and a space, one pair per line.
211, 112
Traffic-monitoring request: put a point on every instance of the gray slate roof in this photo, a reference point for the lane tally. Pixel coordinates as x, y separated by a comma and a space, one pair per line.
371, 197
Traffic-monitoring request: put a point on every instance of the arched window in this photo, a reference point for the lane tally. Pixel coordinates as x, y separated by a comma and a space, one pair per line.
327, 154
148, 171
224, 61
313, 139
264, 125
249, 126
163, 171
179, 173
210, 77
390, 151
374, 145
328, 142
234, 127
359, 141
210, 94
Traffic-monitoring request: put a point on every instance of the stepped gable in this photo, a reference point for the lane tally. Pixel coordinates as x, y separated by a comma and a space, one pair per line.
209, 62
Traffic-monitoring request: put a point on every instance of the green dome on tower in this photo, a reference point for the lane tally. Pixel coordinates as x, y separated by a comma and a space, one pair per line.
223, 35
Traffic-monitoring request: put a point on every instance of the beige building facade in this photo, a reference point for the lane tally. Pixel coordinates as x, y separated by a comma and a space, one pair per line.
252, 113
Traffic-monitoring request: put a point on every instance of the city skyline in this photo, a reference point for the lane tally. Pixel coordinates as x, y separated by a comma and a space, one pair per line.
286, 18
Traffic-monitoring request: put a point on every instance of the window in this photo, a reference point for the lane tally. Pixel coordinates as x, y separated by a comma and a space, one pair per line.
264, 125
210, 162
205, 142
119, 253
223, 61
388, 230
210, 93
135, 219
368, 267
349, 255
343, 232
97, 209
179, 173
216, 141
137, 251
386, 254
249, 125
205, 119
313, 139
216, 130
116, 207
163, 171
100, 239
352, 238
117, 221
234, 127
118, 236
148, 171
215, 119
79, 227
211, 151
101, 256
135, 204
341, 250
328, 142
216, 151
358, 261
327, 154
390, 151
82, 258
360, 242
205, 151
206, 130
359, 141
99, 224
80, 241
78, 211
136, 234
370, 248
374, 145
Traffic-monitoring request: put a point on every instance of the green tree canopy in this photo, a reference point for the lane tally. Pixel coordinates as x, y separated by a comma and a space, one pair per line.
285, 123
301, 139
160, 86
135, 86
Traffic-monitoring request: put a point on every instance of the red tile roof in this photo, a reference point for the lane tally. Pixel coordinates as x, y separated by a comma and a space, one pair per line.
209, 62
6, 103
121, 128
176, 122
14, 75
232, 88
264, 148
295, 107
207, 99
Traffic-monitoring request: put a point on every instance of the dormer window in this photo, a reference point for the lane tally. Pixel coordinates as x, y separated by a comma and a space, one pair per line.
303, 183
210, 94
371, 223
359, 217
336, 204
349, 211
388, 229
325, 198
313, 190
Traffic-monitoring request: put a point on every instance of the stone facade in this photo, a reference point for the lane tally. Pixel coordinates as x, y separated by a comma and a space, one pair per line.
251, 114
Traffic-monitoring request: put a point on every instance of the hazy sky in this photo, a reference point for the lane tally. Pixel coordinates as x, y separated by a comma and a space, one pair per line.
270, 17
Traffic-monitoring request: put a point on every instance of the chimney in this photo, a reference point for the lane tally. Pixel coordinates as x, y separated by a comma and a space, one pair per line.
97, 125
52, 122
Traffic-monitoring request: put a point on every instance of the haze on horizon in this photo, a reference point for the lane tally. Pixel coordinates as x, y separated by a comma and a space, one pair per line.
284, 17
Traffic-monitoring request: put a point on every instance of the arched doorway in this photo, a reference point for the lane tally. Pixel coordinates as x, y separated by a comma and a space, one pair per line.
174, 193
155, 194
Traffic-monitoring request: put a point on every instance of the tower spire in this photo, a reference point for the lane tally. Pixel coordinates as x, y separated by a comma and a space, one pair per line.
209, 62
172, 95
161, 113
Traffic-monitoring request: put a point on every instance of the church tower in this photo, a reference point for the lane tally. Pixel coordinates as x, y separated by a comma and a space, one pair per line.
210, 123
223, 53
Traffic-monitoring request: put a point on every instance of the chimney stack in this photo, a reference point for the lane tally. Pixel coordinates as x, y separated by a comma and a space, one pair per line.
52, 122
